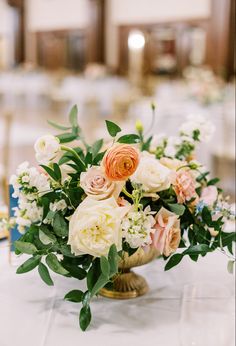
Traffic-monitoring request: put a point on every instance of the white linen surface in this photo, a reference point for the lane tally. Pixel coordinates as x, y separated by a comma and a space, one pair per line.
191, 305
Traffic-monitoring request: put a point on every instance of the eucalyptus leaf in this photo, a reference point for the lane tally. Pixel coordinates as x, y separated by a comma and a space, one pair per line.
25, 247
101, 282
173, 261
60, 226
85, 317
55, 265
44, 274
105, 266
57, 126
74, 296
176, 208
29, 265
66, 137
73, 116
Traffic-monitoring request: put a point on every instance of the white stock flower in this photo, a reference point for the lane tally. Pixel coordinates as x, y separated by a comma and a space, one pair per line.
58, 205
95, 226
151, 174
137, 227
46, 148
198, 123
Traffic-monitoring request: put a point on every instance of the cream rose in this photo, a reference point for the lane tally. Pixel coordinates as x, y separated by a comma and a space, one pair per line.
167, 237
97, 186
95, 226
46, 148
153, 176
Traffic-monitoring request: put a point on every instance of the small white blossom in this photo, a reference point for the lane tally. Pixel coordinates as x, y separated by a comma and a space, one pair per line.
137, 227
58, 205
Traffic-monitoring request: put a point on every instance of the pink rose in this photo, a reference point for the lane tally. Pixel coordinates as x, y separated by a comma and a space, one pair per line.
209, 195
167, 236
97, 186
184, 186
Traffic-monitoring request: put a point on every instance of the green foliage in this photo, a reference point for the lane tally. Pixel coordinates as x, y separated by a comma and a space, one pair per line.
55, 265
176, 208
85, 317
29, 265
25, 247
75, 296
112, 128
44, 274
60, 226
129, 139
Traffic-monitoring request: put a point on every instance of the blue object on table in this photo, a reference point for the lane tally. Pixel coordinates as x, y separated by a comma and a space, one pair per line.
14, 233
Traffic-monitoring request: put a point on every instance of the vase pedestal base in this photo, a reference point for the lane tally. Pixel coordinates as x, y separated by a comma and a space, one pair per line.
126, 285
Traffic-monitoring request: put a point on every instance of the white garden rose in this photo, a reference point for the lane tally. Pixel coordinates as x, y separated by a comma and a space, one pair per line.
95, 226
153, 176
46, 148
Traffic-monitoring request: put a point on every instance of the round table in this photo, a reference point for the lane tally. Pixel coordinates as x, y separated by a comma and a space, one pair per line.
190, 305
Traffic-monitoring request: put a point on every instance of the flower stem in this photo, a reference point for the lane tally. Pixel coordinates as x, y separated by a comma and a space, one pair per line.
127, 193
72, 151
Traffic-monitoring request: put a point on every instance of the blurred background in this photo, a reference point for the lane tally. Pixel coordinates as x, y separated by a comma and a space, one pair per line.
113, 58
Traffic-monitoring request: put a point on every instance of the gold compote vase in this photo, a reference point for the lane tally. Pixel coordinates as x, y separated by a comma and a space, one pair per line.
128, 284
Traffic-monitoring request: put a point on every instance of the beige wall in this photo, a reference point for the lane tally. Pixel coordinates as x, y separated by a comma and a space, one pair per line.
57, 14
6, 35
148, 11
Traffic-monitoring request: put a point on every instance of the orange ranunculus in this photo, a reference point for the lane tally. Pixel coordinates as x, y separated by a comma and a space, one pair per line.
120, 162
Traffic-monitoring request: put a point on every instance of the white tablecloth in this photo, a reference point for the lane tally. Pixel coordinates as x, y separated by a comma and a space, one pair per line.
191, 305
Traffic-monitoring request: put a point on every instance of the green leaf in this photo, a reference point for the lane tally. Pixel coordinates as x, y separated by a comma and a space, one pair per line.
57, 126
57, 171
173, 261
93, 274
85, 317
227, 238
75, 271
96, 147
74, 296
112, 128
25, 247
230, 266
176, 208
206, 216
44, 274
45, 236
73, 116
101, 282
60, 225
51, 172
213, 181
113, 260
105, 266
29, 265
66, 137
129, 139
197, 250
86, 298
55, 265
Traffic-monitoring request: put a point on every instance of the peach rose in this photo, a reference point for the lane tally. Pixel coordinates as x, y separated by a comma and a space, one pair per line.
97, 186
209, 195
167, 236
184, 186
120, 162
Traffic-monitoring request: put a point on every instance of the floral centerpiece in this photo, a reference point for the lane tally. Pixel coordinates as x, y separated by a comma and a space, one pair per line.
204, 86
89, 208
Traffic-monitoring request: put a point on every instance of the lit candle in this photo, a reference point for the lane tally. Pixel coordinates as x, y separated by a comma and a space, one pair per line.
136, 43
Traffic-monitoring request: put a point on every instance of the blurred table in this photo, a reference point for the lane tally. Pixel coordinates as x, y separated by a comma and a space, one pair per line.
191, 305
